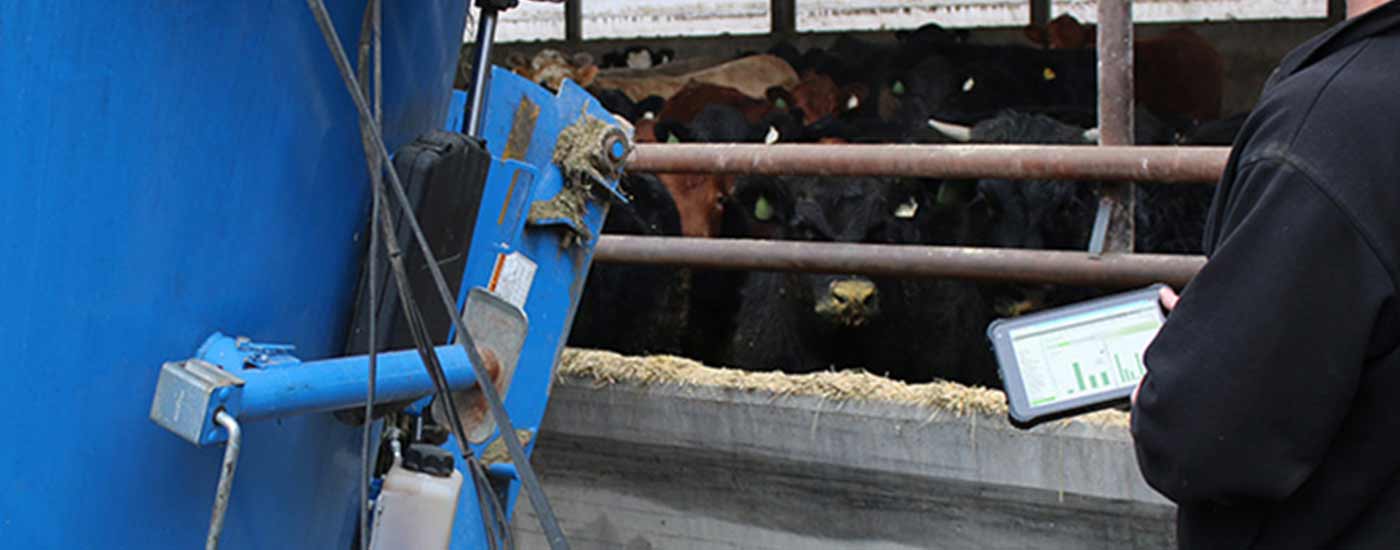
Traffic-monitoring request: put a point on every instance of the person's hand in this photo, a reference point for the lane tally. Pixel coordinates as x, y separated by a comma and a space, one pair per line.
1169, 298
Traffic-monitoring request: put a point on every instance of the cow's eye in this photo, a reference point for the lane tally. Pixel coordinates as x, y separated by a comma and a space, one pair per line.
969, 84
762, 209
897, 88
780, 103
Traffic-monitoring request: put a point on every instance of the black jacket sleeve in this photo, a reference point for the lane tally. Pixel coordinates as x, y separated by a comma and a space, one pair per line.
1255, 370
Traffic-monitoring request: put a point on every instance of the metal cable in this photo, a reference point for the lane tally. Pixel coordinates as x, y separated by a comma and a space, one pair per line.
418, 329
548, 522
369, 39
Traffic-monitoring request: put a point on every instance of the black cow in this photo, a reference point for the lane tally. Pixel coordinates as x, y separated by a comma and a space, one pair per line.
1059, 215
635, 309
913, 330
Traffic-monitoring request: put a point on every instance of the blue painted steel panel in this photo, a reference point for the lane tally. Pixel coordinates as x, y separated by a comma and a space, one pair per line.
168, 169
502, 228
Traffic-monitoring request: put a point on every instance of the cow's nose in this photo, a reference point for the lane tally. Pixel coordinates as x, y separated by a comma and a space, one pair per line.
849, 302
853, 291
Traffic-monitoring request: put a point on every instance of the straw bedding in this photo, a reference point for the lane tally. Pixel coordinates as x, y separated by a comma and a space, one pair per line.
846, 386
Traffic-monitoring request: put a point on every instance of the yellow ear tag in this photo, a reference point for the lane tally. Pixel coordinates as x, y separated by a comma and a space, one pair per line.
1048, 74
762, 210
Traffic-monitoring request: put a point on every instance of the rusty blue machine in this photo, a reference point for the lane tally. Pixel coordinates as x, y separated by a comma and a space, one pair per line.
257, 271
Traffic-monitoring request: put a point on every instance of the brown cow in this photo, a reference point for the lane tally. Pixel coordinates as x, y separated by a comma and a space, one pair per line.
818, 96
1175, 72
752, 76
695, 96
698, 197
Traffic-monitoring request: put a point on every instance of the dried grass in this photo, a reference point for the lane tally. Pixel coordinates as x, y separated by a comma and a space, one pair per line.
846, 386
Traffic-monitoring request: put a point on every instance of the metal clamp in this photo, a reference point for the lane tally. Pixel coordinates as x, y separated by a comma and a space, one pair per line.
189, 394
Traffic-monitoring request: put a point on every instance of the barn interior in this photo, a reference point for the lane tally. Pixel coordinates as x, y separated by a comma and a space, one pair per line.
646, 449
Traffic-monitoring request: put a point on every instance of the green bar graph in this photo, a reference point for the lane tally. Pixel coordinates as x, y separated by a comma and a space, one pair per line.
1079, 376
1122, 373
1105, 379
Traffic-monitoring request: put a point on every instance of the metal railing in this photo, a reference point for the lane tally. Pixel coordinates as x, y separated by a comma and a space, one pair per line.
1109, 262
1015, 162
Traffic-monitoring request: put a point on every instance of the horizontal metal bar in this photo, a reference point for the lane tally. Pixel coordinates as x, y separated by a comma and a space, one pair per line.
986, 264
334, 384
1020, 162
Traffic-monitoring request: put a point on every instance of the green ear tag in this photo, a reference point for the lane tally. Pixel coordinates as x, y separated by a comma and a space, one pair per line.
671, 138
762, 210
897, 88
780, 103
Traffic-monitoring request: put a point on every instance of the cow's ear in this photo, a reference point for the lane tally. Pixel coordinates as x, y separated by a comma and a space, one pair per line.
1036, 34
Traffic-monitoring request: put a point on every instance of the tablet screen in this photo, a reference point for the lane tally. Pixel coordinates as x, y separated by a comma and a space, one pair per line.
1077, 356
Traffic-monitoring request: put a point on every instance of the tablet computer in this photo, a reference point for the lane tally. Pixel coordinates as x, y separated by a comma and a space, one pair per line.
1077, 358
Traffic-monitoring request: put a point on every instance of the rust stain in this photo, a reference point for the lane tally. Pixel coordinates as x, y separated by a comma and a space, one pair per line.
509, 191
522, 130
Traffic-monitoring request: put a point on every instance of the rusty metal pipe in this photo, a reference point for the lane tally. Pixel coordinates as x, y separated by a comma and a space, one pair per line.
986, 264
1019, 162
1115, 44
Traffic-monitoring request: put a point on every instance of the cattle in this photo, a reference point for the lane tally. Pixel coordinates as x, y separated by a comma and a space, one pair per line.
686, 104
1177, 71
932, 86
752, 76
1059, 215
816, 97
913, 330
699, 197
636, 309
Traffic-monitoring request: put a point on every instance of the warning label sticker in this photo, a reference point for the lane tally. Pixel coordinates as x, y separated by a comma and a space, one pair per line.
513, 277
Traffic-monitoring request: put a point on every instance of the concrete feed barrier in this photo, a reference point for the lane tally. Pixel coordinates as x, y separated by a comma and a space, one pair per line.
641, 453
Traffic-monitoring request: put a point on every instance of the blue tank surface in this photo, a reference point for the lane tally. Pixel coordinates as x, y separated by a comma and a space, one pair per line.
169, 169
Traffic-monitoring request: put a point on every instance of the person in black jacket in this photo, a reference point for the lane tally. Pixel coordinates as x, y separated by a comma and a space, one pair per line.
1271, 409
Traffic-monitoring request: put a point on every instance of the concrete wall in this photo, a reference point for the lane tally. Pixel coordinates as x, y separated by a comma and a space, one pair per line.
663, 467
1251, 49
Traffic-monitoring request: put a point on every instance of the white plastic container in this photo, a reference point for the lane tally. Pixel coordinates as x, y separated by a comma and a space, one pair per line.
415, 510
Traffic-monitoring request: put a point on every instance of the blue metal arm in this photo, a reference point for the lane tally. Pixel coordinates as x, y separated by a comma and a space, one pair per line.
264, 382
334, 384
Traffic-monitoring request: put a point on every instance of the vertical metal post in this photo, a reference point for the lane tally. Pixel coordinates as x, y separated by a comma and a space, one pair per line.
1336, 11
1040, 13
481, 70
573, 21
783, 22
1115, 43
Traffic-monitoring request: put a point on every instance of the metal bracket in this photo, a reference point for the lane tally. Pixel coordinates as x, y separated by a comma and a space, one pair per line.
1099, 236
189, 394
